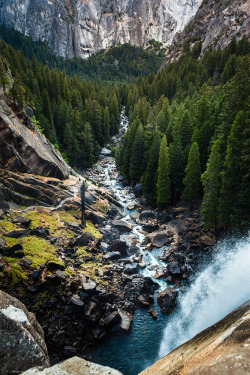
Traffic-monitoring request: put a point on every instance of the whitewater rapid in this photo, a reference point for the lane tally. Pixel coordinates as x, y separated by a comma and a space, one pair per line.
221, 287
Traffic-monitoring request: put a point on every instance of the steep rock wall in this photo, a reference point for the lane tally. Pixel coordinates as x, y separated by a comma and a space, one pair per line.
82, 27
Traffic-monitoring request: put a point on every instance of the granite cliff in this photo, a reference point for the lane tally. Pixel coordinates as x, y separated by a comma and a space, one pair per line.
81, 28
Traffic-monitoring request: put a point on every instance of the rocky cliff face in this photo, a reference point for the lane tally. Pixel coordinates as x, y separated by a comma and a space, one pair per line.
221, 349
22, 342
80, 28
214, 25
22, 146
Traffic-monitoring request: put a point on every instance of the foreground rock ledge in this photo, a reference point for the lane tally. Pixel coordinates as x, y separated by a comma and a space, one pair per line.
74, 366
222, 349
22, 344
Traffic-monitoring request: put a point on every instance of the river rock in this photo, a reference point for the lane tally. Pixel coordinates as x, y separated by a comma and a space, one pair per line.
74, 366
120, 246
134, 216
122, 226
138, 192
174, 269
131, 269
89, 287
145, 216
166, 299
2, 243
126, 321
150, 228
133, 250
160, 239
153, 314
22, 343
132, 205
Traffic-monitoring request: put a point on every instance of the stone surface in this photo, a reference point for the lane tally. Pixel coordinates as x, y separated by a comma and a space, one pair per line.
222, 349
166, 299
160, 239
74, 366
23, 148
22, 344
122, 225
81, 28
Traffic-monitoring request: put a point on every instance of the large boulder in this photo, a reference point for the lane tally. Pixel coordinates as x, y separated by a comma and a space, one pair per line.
160, 239
122, 226
22, 344
145, 217
95, 217
166, 299
74, 366
119, 246
220, 349
23, 147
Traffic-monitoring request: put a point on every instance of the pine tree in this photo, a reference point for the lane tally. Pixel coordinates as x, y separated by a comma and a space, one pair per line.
137, 157
211, 181
163, 182
150, 181
4, 79
192, 174
232, 176
106, 125
185, 129
161, 122
177, 168
17, 93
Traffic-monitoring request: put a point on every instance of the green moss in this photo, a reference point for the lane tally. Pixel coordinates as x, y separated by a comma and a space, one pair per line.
7, 226
11, 260
36, 249
91, 229
15, 274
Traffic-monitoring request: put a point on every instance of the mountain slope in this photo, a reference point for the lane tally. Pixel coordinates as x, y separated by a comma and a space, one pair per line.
81, 28
214, 25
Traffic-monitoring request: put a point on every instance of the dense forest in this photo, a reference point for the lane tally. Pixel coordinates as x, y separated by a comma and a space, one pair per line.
189, 134
74, 114
121, 63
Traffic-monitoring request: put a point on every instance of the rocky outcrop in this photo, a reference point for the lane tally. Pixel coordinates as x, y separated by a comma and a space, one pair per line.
80, 28
22, 344
214, 25
24, 149
220, 349
74, 366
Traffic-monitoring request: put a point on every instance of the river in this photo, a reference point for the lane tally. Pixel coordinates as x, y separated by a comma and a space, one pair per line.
219, 287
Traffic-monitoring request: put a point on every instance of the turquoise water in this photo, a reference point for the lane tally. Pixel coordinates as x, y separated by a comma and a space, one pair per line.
133, 352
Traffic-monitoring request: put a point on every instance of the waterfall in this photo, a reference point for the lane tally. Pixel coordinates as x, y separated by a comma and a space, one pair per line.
221, 287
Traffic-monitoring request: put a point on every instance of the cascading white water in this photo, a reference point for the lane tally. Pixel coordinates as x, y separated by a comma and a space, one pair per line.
220, 287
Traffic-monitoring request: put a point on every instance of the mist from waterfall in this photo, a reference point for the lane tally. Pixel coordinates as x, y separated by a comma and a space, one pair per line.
221, 287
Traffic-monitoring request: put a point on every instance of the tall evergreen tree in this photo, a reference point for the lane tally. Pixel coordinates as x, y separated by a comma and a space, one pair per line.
177, 169
193, 174
150, 180
4, 79
211, 181
137, 157
163, 182
231, 175
106, 125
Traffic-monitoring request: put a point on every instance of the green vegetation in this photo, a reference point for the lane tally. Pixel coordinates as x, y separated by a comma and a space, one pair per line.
73, 114
201, 107
121, 63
